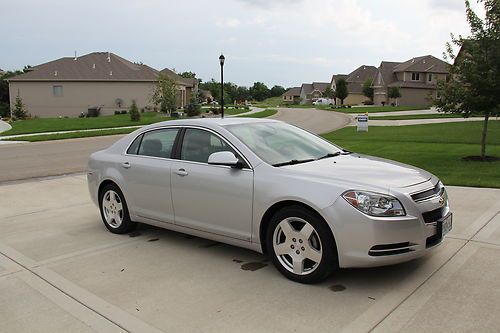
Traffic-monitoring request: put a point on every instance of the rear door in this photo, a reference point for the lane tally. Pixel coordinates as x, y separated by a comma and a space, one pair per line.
146, 170
211, 198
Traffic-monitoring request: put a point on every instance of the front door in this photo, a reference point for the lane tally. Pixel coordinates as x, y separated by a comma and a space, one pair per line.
211, 198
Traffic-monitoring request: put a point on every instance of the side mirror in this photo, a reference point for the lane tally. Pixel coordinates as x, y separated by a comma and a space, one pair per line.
224, 158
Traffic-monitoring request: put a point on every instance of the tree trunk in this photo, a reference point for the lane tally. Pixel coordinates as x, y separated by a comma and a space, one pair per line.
483, 135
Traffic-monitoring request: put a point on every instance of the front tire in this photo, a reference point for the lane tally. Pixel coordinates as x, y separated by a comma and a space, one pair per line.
301, 245
114, 210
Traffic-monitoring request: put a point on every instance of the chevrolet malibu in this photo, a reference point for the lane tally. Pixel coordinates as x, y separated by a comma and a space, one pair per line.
271, 187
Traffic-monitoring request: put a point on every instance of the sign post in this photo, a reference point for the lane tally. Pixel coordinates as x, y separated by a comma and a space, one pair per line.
362, 122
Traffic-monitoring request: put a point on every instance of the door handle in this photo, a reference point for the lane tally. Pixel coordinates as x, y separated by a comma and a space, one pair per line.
126, 165
181, 172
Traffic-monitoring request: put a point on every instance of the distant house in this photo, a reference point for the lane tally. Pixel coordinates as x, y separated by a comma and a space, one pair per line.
187, 86
309, 92
2, 72
291, 96
416, 79
70, 85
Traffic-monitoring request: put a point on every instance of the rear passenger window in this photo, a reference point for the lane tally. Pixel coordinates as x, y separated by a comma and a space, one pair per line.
158, 143
134, 147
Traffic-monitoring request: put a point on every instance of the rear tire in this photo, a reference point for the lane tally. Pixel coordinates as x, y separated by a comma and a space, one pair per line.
114, 210
301, 245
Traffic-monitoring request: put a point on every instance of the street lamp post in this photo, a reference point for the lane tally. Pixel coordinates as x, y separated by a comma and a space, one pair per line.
221, 61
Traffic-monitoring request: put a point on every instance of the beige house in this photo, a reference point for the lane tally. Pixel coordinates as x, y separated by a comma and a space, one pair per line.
309, 92
355, 81
71, 85
291, 96
415, 78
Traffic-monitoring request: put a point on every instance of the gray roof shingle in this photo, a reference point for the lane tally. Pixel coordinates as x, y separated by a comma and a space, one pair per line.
295, 91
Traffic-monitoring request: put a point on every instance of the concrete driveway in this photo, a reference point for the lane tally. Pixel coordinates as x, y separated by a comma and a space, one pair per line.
316, 121
62, 271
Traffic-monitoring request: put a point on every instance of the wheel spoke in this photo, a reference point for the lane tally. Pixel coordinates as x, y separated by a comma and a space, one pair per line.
307, 230
313, 255
287, 228
106, 204
118, 206
298, 265
281, 249
113, 197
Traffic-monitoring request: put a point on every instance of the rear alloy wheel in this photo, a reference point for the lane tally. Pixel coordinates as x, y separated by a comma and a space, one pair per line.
114, 211
301, 245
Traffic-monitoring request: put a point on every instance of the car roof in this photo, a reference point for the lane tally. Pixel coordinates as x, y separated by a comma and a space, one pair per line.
212, 122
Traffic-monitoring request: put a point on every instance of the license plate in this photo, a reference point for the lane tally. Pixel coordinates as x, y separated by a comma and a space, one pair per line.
446, 224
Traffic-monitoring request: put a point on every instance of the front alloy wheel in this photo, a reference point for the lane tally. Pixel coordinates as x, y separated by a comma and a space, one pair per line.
301, 245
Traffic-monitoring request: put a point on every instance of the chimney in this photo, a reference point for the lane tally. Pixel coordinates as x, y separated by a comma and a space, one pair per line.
76, 58
109, 57
412, 60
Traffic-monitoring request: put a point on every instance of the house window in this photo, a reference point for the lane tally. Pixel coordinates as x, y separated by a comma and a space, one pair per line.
429, 77
415, 76
57, 91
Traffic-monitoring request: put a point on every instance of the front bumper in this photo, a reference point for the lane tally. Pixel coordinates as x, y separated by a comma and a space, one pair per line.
367, 241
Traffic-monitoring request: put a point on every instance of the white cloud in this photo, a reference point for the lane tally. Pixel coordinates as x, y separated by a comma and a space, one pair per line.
228, 23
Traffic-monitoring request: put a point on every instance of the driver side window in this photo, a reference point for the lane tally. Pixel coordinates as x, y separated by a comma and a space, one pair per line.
199, 144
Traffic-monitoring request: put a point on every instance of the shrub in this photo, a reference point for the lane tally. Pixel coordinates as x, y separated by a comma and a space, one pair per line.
123, 112
19, 111
117, 112
368, 102
194, 107
135, 115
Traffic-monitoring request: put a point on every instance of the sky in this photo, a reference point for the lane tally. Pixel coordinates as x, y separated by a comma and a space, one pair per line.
284, 42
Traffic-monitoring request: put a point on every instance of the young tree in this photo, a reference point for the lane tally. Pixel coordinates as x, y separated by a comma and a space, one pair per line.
135, 115
242, 94
19, 111
194, 107
368, 89
342, 92
165, 94
473, 86
329, 93
394, 93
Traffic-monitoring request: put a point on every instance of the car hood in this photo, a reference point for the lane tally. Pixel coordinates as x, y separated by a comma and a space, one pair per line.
364, 169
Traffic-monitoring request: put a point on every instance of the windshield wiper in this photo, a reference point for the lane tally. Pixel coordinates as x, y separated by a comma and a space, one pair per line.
329, 155
292, 162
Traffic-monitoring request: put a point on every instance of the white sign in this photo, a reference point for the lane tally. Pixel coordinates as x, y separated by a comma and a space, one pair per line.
362, 123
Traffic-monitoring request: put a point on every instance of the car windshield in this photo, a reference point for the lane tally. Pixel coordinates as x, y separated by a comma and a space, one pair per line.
282, 144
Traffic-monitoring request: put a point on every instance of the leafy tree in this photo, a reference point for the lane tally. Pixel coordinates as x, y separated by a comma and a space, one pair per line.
230, 90
212, 86
188, 75
135, 115
242, 94
394, 93
277, 91
165, 94
4, 92
368, 89
259, 91
19, 111
474, 82
342, 92
329, 93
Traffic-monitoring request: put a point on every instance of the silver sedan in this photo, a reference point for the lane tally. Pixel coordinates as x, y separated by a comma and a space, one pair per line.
273, 188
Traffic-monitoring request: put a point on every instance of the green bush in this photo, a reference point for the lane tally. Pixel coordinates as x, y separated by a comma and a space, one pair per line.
135, 115
19, 111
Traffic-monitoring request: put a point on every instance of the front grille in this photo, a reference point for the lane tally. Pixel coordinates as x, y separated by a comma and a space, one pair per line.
390, 249
436, 190
433, 215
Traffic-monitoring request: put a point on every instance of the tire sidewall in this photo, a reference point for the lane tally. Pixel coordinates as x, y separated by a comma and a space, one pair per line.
329, 260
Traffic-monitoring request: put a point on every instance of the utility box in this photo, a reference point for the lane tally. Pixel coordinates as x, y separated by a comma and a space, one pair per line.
362, 122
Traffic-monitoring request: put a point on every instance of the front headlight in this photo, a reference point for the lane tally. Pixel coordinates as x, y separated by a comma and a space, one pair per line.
374, 204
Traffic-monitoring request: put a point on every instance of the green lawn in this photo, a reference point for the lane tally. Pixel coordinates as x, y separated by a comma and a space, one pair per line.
40, 125
233, 111
72, 135
419, 116
269, 102
261, 114
373, 109
437, 148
